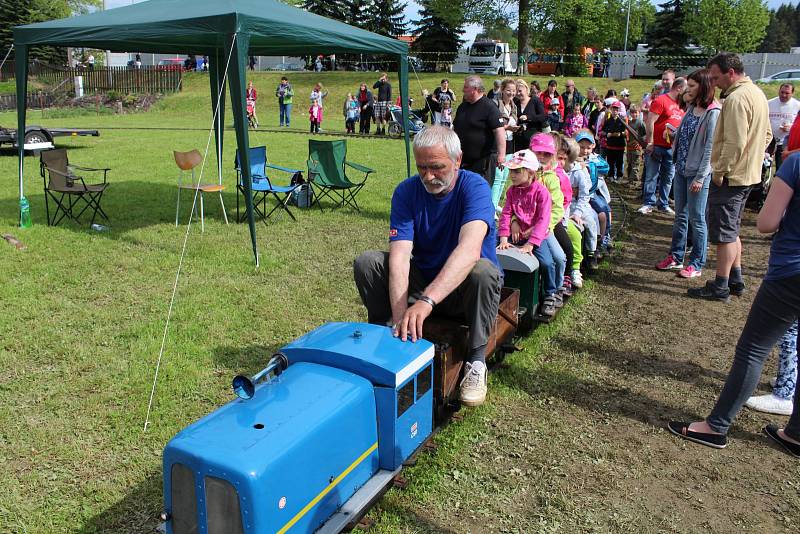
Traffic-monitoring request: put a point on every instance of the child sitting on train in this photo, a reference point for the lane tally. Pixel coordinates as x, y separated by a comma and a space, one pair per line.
582, 217
544, 149
561, 229
529, 204
567, 155
597, 166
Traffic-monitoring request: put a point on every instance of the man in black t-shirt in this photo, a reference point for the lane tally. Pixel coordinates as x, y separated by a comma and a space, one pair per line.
384, 100
481, 130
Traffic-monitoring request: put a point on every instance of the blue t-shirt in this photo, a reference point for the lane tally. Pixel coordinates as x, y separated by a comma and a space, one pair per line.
784, 255
433, 224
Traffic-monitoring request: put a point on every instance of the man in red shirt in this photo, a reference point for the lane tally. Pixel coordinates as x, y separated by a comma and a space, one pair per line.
662, 121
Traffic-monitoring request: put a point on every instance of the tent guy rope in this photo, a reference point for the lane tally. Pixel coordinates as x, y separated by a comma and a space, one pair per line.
186, 237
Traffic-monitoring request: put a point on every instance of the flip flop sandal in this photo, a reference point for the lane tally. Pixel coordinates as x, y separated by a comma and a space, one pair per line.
791, 448
681, 429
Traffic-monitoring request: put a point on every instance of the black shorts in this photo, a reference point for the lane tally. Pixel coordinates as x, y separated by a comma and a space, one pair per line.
724, 211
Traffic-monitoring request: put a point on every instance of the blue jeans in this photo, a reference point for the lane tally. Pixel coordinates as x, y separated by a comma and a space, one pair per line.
658, 172
690, 218
285, 113
599, 205
553, 259
786, 381
775, 309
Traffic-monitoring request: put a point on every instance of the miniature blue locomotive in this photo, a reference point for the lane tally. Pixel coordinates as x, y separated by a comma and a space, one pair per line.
341, 410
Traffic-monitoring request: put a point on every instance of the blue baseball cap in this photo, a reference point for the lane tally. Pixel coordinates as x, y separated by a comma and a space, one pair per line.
584, 136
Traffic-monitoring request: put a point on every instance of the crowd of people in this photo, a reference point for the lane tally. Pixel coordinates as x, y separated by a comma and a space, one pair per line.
559, 148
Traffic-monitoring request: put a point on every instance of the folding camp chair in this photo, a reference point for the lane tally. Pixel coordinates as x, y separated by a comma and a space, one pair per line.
262, 185
67, 189
327, 171
187, 161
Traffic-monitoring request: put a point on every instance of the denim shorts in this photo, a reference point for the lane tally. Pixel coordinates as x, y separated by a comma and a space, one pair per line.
724, 211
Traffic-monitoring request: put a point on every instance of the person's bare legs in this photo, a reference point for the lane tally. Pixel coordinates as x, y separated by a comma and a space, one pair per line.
728, 255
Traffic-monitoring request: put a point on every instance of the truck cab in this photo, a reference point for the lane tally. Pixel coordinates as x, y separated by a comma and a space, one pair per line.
492, 57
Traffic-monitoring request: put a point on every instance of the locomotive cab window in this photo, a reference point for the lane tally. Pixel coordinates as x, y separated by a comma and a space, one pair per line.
405, 397
184, 501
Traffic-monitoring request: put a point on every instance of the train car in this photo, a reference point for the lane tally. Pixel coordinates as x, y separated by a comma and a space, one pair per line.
312, 441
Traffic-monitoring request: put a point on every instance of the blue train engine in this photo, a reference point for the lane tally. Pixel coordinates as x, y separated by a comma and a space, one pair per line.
312, 440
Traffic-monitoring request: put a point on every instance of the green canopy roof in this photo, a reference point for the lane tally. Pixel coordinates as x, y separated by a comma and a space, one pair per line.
199, 26
225, 30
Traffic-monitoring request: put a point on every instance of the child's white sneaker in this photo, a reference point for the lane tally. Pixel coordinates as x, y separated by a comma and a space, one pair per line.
577, 278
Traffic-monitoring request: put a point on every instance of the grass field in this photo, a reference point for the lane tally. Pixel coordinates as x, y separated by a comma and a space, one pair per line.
84, 312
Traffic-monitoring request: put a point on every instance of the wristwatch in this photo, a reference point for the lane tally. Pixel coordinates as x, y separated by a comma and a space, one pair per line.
427, 299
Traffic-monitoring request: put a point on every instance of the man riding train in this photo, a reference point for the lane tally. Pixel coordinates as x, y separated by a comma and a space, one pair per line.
441, 257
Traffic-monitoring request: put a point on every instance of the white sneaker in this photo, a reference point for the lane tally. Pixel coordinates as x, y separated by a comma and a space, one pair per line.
645, 210
473, 385
667, 210
577, 278
770, 404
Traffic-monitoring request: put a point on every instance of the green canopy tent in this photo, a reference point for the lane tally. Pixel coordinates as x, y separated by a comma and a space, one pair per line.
227, 31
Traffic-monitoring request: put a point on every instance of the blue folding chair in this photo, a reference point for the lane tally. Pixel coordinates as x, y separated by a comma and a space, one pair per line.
262, 186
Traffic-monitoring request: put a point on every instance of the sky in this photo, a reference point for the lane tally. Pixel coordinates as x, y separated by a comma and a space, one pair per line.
413, 8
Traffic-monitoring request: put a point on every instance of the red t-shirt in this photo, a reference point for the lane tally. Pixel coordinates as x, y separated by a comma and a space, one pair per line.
794, 135
668, 112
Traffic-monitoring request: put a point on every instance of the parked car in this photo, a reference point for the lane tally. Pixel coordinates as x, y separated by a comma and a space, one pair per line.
288, 66
170, 64
783, 76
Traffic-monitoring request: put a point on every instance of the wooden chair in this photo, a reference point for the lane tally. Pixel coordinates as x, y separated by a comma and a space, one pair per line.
187, 161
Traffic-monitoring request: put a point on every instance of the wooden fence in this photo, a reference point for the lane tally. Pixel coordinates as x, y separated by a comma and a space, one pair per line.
151, 79
121, 79
37, 100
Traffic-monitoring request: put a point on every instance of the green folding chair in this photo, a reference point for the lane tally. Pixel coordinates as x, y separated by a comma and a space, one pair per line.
327, 173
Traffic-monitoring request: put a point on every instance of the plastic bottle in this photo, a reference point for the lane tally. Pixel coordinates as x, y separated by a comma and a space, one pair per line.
99, 227
24, 213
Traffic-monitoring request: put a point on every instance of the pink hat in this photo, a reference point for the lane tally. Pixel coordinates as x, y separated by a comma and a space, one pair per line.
523, 158
616, 105
543, 142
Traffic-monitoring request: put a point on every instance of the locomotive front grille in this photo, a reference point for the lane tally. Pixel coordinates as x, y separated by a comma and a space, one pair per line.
184, 501
222, 507
222, 513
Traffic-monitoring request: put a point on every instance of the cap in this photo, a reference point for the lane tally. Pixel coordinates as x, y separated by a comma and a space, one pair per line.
625, 92
616, 105
543, 142
584, 136
523, 158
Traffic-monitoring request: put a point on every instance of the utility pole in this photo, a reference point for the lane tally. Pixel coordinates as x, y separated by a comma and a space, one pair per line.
625, 46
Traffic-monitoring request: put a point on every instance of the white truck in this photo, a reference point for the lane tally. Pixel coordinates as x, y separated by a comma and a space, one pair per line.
491, 57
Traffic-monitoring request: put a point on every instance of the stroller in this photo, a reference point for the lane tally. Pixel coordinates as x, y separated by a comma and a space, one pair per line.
252, 120
758, 194
415, 124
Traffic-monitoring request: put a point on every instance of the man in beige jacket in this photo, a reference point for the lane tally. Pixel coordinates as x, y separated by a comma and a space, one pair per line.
742, 134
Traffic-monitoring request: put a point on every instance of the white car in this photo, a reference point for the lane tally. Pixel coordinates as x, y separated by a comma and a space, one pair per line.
783, 76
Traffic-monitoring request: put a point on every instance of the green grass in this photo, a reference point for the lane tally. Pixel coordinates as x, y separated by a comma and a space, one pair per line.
84, 312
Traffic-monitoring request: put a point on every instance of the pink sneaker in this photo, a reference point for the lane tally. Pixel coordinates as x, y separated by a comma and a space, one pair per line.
668, 264
689, 272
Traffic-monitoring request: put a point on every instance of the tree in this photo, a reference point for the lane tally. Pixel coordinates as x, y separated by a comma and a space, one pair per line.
781, 32
356, 12
436, 35
668, 40
729, 25
387, 17
17, 12
326, 8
